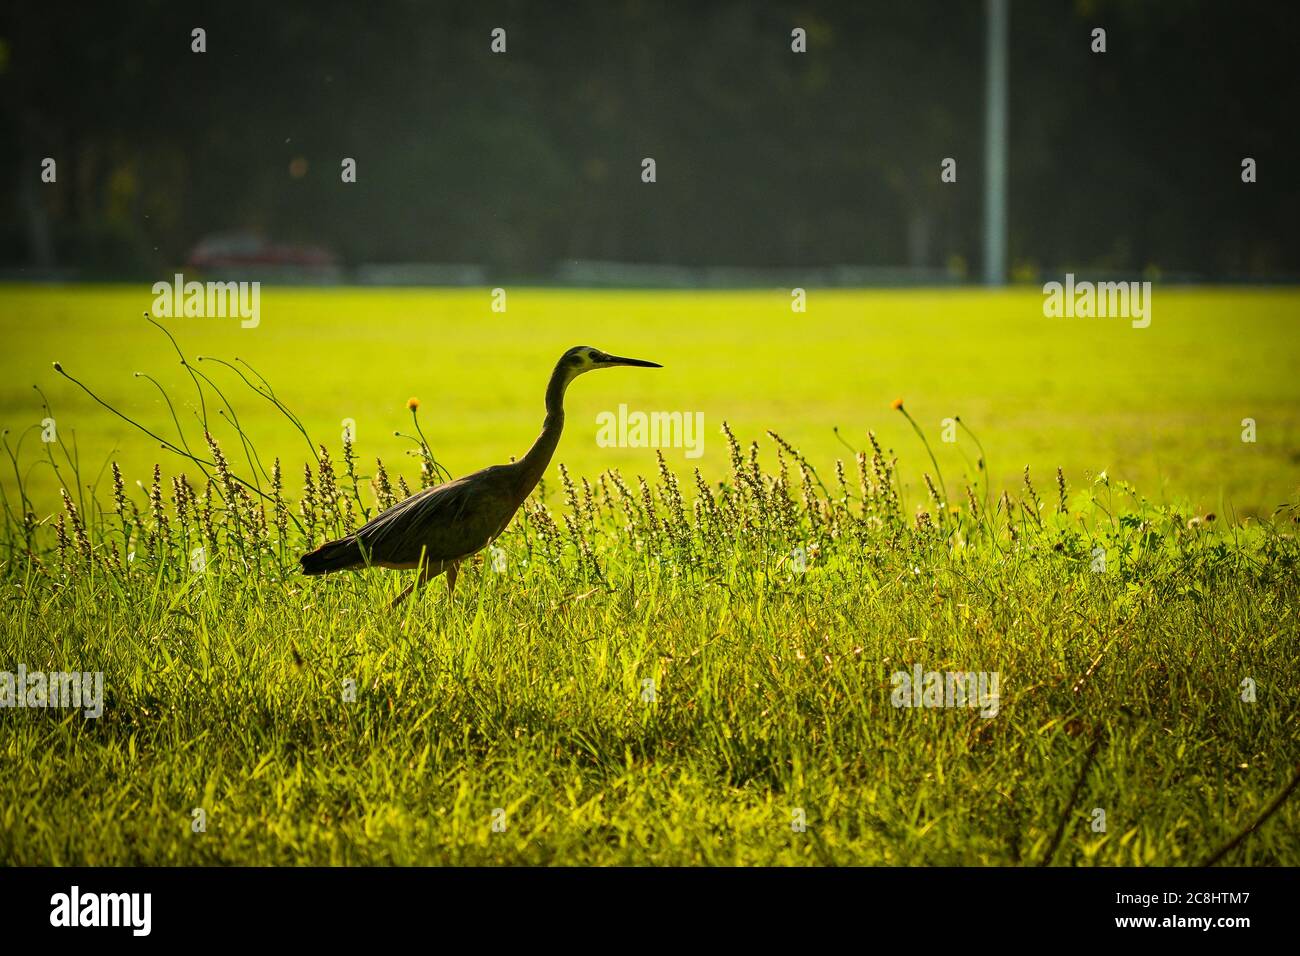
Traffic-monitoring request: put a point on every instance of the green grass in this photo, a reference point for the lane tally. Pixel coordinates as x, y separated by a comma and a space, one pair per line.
1160, 407
225, 688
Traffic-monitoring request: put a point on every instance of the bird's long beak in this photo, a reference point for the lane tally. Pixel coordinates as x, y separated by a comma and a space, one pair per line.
639, 363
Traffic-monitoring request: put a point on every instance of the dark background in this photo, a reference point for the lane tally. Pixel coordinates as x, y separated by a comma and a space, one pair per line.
1125, 161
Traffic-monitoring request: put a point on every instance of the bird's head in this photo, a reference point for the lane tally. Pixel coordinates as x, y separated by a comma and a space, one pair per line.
583, 358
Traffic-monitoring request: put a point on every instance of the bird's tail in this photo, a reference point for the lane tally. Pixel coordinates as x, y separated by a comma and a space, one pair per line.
337, 555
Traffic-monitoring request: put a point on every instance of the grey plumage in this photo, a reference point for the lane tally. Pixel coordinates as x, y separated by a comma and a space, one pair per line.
437, 525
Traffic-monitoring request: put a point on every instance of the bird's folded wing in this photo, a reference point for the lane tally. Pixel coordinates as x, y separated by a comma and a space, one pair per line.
444, 523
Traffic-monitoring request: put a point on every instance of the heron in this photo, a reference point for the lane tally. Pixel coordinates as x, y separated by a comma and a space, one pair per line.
436, 529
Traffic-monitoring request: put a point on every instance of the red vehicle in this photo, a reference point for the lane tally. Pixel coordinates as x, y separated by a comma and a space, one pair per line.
250, 256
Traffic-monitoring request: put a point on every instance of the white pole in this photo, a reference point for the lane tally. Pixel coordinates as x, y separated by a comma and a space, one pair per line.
995, 145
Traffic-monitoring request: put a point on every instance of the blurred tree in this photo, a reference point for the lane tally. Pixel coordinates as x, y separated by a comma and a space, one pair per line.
765, 157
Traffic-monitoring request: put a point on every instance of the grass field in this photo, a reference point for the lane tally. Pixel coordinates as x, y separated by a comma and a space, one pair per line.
1160, 407
669, 673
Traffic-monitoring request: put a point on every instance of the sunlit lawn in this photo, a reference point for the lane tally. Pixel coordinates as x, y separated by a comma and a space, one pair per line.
1161, 407
767, 616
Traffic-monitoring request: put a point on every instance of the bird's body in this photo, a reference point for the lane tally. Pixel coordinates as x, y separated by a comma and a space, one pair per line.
435, 529
442, 524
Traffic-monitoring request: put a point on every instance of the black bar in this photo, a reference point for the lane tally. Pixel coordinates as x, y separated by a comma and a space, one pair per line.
541, 906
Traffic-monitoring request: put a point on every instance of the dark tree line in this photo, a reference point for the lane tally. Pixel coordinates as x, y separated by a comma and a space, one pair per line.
764, 157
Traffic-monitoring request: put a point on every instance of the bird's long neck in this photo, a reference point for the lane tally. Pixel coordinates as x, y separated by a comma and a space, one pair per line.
533, 465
